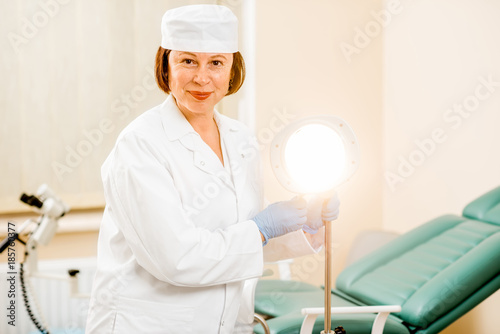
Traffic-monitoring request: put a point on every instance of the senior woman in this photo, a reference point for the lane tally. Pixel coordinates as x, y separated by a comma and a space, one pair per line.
184, 236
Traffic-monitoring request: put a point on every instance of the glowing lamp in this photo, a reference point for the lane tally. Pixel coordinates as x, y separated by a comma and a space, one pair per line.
315, 155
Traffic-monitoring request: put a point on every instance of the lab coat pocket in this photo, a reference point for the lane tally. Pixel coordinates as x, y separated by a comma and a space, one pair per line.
139, 316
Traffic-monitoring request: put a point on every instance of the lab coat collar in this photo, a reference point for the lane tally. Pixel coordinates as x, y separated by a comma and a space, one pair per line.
176, 125
224, 123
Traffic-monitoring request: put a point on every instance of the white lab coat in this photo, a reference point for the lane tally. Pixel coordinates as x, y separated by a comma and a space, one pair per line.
177, 244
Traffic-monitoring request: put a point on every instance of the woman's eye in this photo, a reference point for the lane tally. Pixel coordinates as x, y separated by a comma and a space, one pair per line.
217, 62
188, 61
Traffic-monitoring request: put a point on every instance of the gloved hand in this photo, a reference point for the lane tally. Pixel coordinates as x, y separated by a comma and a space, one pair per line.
320, 209
281, 218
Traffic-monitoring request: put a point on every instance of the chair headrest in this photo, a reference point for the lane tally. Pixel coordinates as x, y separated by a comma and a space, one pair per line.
485, 208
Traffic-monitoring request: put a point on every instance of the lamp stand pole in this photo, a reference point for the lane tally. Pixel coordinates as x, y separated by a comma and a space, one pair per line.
328, 274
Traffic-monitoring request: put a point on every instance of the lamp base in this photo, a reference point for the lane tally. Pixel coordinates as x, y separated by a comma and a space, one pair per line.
338, 330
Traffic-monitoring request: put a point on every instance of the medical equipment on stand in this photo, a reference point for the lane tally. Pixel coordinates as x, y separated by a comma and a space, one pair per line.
314, 155
40, 232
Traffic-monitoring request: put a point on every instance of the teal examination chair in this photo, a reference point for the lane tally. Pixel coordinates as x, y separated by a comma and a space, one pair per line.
436, 273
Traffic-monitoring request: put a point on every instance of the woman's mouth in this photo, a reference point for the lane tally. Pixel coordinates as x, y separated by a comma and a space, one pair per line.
200, 95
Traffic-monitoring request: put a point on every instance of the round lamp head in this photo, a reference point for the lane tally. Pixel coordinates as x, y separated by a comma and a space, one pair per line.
314, 154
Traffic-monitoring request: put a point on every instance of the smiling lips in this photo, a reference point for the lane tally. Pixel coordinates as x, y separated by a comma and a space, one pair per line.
200, 95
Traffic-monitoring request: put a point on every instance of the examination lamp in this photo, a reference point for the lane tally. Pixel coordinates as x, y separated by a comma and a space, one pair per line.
314, 155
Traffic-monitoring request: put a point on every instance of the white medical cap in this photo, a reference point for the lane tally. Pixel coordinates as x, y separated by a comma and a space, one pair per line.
200, 28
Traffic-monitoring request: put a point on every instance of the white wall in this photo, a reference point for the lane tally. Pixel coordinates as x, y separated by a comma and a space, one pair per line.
437, 56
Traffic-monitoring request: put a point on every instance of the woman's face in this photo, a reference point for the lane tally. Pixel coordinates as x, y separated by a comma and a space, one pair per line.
198, 81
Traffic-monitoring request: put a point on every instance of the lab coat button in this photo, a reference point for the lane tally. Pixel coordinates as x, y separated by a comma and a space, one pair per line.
202, 163
222, 323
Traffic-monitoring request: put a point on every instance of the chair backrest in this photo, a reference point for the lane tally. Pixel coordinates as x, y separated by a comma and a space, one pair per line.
435, 269
485, 208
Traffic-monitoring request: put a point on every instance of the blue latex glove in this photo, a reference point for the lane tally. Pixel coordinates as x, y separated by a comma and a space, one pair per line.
281, 218
320, 209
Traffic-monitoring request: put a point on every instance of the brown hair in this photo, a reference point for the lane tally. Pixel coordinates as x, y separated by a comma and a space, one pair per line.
161, 71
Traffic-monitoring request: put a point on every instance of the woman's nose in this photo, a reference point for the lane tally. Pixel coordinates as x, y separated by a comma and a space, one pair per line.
202, 76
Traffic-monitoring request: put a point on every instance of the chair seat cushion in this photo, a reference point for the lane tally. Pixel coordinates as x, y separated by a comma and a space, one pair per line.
428, 271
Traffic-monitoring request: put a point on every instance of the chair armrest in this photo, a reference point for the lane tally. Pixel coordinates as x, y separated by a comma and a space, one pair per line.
260, 319
378, 325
